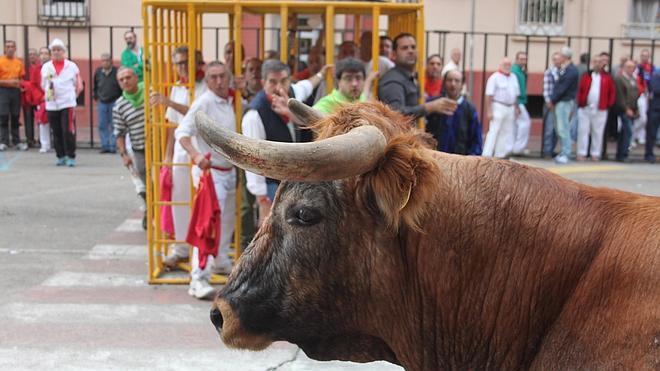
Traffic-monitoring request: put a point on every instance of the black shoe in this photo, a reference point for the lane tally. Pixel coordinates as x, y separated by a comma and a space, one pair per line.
104, 150
649, 159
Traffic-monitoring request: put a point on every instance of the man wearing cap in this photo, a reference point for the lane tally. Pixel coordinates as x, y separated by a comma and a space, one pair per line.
60, 80
563, 101
11, 73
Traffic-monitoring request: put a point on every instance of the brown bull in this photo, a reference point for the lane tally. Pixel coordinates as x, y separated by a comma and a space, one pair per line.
378, 248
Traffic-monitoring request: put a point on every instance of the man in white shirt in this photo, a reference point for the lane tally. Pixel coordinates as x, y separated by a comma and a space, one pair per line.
265, 119
502, 91
218, 104
453, 64
177, 106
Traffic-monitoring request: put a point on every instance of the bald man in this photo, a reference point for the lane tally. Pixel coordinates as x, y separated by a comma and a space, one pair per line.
502, 92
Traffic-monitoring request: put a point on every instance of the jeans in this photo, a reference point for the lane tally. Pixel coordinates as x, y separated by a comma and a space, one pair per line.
271, 189
563, 111
549, 136
106, 127
623, 142
652, 131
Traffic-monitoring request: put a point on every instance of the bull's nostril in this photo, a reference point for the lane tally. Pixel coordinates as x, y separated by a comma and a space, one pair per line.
216, 318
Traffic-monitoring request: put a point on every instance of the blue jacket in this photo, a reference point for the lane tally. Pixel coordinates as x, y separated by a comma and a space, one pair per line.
459, 133
566, 85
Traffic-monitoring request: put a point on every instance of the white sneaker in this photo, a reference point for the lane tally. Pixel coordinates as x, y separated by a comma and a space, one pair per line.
43, 150
201, 289
22, 146
177, 254
561, 159
3, 147
223, 268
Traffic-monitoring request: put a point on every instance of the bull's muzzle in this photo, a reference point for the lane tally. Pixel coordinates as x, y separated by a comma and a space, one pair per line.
216, 318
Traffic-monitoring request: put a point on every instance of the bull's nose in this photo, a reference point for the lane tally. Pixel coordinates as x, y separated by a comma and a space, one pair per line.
216, 319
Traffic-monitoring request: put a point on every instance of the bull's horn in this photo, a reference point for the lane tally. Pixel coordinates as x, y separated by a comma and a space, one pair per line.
343, 156
307, 114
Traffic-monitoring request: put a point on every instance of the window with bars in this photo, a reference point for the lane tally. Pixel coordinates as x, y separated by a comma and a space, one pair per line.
644, 19
63, 12
540, 17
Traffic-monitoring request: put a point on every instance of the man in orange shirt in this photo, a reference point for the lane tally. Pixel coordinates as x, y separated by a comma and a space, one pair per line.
11, 73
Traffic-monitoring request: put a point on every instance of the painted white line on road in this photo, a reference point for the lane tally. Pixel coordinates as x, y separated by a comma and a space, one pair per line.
216, 357
84, 279
42, 251
130, 225
118, 252
104, 313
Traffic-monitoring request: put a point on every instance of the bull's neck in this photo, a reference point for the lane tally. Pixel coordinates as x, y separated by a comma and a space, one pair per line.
495, 266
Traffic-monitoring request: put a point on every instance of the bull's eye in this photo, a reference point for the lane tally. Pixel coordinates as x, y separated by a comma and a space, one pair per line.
304, 216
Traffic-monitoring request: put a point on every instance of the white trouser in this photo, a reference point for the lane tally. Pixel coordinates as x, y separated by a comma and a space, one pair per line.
521, 130
180, 193
225, 189
591, 122
499, 140
639, 125
44, 136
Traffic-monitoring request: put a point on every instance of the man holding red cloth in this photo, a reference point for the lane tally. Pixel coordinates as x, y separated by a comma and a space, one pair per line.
217, 103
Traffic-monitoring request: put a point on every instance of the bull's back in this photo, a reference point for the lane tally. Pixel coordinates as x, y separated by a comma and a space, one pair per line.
612, 320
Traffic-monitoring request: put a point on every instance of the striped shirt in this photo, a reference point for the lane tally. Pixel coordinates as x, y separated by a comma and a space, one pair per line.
128, 119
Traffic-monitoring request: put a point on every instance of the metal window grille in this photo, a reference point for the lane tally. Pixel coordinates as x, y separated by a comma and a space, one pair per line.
541, 17
63, 12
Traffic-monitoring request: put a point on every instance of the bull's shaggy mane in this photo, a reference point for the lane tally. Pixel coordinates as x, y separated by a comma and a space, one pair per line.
400, 187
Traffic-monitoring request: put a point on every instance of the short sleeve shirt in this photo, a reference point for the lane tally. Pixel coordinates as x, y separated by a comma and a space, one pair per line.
11, 68
504, 89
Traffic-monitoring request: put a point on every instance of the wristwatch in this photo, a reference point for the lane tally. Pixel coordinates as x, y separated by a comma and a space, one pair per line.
319, 75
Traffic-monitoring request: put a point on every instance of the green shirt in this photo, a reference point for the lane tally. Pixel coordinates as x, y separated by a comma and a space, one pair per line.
522, 81
130, 60
332, 101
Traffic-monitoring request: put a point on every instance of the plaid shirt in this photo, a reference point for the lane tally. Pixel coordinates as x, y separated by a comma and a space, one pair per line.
549, 78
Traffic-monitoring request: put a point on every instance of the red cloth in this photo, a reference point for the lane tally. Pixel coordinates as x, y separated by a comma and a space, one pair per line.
204, 228
607, 95
59, 66
166, 218
302, 75
433, 88
32, 92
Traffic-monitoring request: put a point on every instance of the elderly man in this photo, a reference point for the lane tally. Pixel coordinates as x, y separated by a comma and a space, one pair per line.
549, 77
128, 119
563, 102
502, 91
459, 133
352, 86
218, 104
627, 93
106, 92
132, 57
177, 106
454, 61
398, 88
522, 123
266, 119
596, 94
12, 71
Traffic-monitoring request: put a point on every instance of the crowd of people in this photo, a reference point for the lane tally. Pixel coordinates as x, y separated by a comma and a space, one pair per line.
579, 101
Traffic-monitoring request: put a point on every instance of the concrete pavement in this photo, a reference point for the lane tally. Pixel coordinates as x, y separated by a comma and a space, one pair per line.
74, 294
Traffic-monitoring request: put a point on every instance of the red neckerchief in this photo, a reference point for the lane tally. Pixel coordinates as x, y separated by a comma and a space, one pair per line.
507, 74
285, 118
59, 66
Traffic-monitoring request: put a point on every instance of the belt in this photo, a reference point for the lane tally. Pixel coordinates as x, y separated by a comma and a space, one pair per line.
504, 104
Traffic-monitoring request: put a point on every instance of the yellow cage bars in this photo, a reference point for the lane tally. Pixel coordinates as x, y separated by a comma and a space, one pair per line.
169, 24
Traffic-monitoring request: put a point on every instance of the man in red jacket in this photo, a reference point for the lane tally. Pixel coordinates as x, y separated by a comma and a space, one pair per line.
596, 94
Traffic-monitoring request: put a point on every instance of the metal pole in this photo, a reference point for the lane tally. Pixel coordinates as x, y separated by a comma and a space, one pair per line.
471, 74
111, 48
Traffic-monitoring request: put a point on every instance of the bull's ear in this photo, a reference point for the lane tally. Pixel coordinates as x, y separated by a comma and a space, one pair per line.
400, 187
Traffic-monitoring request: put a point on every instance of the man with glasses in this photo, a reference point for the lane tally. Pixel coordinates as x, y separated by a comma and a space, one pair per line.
352, 86
177, 106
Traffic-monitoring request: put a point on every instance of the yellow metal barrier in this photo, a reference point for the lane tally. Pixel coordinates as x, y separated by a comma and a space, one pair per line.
172, 23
